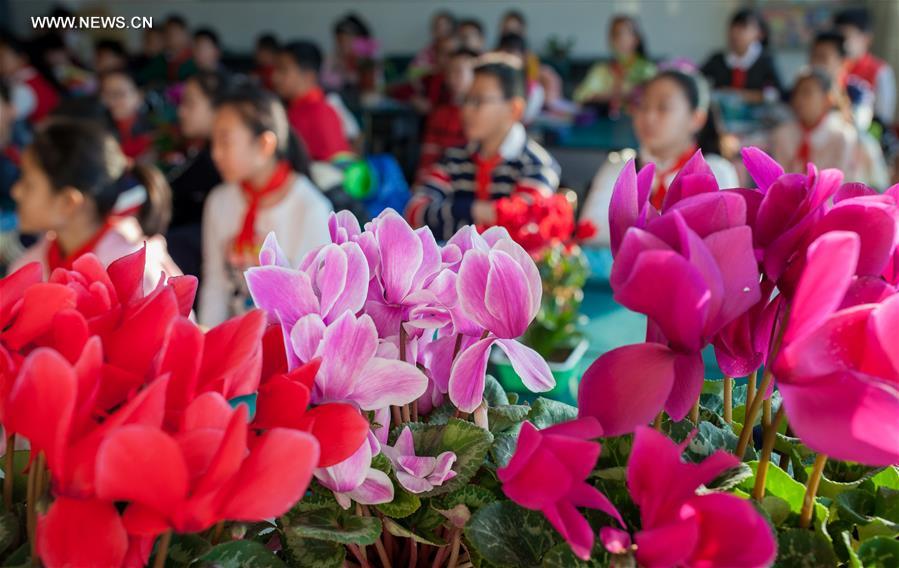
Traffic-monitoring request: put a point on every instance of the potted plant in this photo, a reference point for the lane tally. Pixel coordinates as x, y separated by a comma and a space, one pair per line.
547, 230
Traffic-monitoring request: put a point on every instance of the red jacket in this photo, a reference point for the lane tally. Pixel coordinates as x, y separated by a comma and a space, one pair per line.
317, 124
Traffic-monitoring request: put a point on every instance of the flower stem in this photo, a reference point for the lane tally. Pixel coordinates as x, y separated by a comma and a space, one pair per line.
10, 473
657, 424
761, 474
694, 413
454, 555
729, 400
766, 412
811, 490
414, 411
752, 412
397, 418
382, 554
359, 553
31, 502
217, 532
751, 382
163, 549
413, 554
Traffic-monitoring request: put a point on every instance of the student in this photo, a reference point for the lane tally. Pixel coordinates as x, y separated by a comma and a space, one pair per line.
819, 133
515, 45
671, 122
177, 49
70, 76
151, 64
746, 68
207, 51
264, 56
470, 33
192, 181
314, 120
33, 95
611, 84
443, 128
109, 55
426, 61
265, 189
430, 88
344, 71
78, 189
499, 160
125, 103
9, 157
853, 95
855, 25
513, 22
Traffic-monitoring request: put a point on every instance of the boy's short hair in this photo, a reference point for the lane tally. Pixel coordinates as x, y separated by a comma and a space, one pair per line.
113, 46
507, 72
465, 52
209, 34
834, 38
267, 41
856, 17
471, 23
514, 14
817, 75
176, 20
305, 54
513, 43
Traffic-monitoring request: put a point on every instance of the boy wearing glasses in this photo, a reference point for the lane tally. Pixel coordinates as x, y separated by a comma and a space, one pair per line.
498, 161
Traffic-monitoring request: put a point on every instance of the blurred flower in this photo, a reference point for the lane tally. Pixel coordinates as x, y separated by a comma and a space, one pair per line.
418, 474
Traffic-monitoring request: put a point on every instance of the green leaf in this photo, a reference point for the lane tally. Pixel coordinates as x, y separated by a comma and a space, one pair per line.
502, 418
316, 497
185, 549
472, 496
20, 558
494, 393
404, 503
730, 478
442, 413
241, 554
333, 525
503, 447
561, 556
505, 534
778, 483
860, 507
399, 530
841, 535
546, 412
708, 439
9, 531
778, 509
889, 478
800, 548
886, 504
469, 442
879, 552
313, 553
420, 526
20, 481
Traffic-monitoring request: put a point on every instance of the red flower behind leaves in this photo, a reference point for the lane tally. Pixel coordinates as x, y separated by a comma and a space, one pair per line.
538, 223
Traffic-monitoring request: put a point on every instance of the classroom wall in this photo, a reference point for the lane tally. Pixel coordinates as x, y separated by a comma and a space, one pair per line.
688, 28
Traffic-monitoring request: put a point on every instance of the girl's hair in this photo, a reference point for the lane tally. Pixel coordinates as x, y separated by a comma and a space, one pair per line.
812, 74
635, 27
746, 16
352, 24
33, 52
261, 112
82, 154
210, 83
696, 90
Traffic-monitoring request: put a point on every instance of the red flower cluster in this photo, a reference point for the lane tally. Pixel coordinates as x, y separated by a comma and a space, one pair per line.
127, 401
538, 223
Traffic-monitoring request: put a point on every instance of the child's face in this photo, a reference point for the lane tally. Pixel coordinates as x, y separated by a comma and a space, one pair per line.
38, 207
265, 57
623, 39
664, 119
741, 36
460, 75
827, 57
512, 25
154, 42
237, 153
441, 27
120, 96
206, 54
106, 60
485, 111
288, 79
445, 48
176, 39
857, 41
195, 113
810, 102
9, 61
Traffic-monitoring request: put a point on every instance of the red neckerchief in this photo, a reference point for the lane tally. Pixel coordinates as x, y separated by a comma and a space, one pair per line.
804, 152
738, 78
57, 259
484, 174
245, 239
313, 95
661, 188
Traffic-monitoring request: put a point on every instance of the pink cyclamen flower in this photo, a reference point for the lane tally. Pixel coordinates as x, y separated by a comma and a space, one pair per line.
351, 370
679, 527
499, 289
838, 369
692, 271
548, 473
354, 479
418, 473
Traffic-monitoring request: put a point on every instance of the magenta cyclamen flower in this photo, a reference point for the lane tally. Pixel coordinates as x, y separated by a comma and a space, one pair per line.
499, 289
692, 271
418, 474
679, 527
548, 473
838, 369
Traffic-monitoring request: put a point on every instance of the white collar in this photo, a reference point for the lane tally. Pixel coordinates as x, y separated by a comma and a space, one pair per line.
746, 60
513, 144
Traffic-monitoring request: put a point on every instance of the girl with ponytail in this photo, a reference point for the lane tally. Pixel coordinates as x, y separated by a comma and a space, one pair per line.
266, 189
83, 194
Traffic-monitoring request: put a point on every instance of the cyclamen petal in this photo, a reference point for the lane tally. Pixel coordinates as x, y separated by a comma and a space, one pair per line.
529, 365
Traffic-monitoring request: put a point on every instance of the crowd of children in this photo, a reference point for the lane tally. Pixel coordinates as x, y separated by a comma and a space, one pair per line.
176, 149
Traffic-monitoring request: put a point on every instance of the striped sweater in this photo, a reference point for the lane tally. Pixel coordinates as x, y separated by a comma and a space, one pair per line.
444, 198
